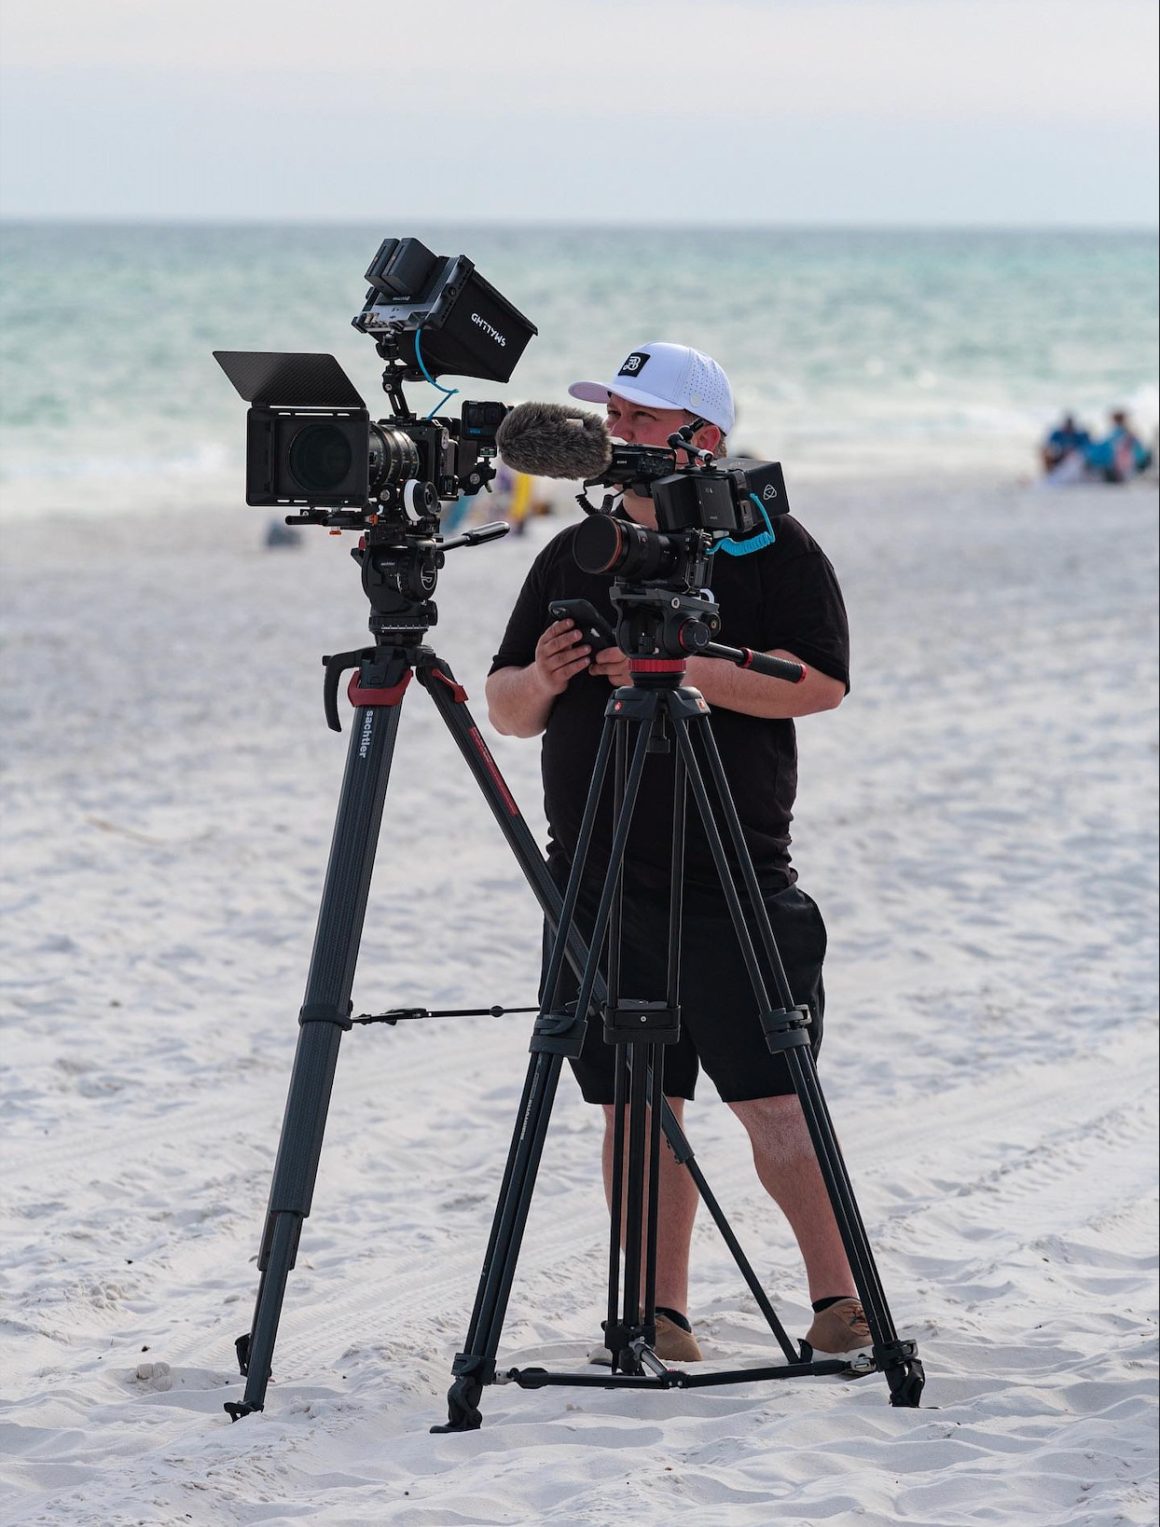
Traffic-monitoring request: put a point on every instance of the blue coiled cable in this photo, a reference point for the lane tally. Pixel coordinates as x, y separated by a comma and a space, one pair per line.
756, 543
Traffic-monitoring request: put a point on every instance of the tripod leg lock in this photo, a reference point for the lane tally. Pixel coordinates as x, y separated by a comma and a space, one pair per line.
625, 1341
469, 1365
321, 1012
559, 1033
787, 1028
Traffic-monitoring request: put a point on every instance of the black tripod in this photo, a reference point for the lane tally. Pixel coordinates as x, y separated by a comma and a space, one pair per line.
396, 572
660, 714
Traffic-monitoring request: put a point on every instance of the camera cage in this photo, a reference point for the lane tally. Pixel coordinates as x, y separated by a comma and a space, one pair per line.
727, 496
311, 443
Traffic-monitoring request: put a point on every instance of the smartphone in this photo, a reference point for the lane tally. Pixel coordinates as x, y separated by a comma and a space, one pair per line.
593, 627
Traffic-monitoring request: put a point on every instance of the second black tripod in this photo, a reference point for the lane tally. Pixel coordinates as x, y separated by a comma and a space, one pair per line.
659, 715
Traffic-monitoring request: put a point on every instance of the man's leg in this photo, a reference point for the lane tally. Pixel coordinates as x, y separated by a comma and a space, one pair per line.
677, 1208
783, 1154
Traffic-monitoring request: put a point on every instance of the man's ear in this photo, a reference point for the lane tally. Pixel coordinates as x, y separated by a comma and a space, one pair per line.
708, 437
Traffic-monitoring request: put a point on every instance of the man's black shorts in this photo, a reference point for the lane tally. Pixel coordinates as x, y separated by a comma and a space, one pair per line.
720, 1029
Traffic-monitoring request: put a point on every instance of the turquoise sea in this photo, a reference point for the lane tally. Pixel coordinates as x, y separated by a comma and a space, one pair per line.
856, 351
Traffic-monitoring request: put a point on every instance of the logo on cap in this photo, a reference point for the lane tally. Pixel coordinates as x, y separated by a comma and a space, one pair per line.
634, 364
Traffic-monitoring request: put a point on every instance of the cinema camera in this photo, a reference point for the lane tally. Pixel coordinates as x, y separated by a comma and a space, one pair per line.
312, 446
700, 501
701, 504
704, 505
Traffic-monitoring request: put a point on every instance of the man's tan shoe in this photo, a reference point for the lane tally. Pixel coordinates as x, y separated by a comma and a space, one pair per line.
840, 1328
674, 1345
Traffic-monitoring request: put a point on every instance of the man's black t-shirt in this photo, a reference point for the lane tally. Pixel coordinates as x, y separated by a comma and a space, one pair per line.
786, 596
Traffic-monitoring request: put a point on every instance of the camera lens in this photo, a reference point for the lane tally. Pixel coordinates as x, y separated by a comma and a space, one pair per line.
394, 457
607, 545
321, 458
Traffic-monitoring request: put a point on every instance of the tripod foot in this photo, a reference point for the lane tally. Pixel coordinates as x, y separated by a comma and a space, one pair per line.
463, 1413
236, 1409
906, 1380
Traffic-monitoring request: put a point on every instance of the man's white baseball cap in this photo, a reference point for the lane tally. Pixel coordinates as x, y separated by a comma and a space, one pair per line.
668, 376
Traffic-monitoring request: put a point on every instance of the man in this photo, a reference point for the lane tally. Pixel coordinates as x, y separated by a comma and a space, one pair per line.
1119, 456
1066, 440
545, 680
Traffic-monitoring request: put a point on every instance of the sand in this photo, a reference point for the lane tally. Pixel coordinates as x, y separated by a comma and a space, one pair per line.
978, 823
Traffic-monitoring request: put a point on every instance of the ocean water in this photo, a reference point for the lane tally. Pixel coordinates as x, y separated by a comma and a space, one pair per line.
851, 351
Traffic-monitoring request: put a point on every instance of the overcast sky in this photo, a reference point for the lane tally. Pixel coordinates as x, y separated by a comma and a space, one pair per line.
803, 111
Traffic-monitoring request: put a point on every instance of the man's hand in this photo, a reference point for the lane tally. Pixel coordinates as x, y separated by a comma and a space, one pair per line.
560, 655
612, 664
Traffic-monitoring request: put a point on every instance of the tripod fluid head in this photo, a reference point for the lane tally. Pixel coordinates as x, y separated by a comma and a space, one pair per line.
658, 622
400, 565
673, 617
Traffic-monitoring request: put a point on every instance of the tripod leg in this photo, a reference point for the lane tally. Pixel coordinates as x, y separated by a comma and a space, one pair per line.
653, 1059
897, 1359
555, 1035
616, 1326
450, 700
324, 1016
638, 1080
803, 1067
644, 1064
475, 1366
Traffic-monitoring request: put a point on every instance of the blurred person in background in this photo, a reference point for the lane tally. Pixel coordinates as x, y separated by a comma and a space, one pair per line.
1066, 440
1120, 455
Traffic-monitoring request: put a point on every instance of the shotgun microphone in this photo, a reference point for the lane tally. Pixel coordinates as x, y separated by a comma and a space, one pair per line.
553, 440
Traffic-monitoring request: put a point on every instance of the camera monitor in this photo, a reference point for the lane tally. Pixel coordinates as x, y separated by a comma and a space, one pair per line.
441, 315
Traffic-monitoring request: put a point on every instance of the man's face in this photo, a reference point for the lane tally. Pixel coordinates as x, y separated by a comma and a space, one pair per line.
639, 424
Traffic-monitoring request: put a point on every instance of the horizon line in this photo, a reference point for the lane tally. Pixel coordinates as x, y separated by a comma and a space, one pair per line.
289, 220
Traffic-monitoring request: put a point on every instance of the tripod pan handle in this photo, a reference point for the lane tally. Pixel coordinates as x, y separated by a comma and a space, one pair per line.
336, 666
760, 662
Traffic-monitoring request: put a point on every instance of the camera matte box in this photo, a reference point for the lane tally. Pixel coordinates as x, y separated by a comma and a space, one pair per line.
289, 378
270, 437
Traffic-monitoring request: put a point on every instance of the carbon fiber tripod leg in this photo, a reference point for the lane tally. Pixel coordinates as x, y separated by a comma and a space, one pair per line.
898, 1360
324, 1016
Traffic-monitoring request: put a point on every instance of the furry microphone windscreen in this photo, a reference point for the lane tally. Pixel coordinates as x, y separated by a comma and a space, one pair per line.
552, 440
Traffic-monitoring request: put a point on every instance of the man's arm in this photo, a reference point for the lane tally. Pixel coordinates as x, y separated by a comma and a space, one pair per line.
753, 694
520, 700
731, 688
516, 703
